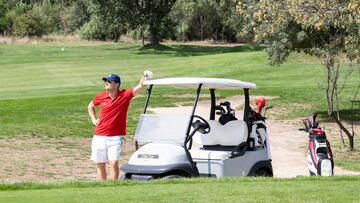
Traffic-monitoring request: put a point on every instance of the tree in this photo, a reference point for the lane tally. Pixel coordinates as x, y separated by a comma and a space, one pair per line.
329, 29
74, 16
205, 19
106, 22
3, 9
141, 13
29, 25
181, 14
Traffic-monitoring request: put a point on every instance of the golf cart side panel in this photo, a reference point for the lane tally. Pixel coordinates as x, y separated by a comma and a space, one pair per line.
159, 154
183, 168
220, 164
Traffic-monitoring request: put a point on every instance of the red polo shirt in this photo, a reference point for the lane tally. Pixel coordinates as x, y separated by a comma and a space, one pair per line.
112, 112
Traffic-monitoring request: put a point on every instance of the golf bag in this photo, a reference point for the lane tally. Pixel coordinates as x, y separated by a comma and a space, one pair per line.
319, 156
258, 136
225, 115
311, 122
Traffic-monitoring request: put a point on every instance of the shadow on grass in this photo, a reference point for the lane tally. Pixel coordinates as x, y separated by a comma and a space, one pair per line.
345, 114
195, 50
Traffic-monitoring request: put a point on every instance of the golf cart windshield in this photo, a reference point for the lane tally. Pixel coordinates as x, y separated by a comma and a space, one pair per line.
162, 128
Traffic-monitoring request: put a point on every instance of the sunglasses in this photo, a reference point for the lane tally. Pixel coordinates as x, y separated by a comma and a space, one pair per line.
108, 81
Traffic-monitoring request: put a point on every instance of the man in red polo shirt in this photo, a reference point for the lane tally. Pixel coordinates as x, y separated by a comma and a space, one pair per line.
110, 125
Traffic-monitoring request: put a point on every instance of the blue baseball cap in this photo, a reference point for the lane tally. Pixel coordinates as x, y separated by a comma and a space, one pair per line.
112, 77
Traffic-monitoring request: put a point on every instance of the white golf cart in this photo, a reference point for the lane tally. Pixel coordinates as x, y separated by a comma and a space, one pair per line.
225, 146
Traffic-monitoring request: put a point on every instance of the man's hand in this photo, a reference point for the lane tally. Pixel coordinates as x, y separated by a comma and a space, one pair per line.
140, 86
95, 121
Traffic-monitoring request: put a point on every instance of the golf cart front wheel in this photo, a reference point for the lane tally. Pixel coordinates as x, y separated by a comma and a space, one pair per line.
263, 172
123, 177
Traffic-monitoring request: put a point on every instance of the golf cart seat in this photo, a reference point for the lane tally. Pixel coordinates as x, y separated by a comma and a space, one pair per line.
221, 140
221, 136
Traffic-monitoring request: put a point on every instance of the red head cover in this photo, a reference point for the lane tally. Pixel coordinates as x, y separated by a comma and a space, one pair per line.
260, 103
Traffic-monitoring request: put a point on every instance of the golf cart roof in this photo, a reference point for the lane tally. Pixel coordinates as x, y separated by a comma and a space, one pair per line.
210, 83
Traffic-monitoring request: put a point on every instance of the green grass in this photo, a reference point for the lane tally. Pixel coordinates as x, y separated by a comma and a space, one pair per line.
333, 189
344, 158
45, 92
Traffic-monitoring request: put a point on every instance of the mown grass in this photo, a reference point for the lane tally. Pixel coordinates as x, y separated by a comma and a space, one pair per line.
45, 92
310, 189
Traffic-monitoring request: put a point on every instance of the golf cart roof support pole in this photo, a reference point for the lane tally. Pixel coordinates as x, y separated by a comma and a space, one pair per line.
193, 111
212, 109
147, 98
145, 107
247, 105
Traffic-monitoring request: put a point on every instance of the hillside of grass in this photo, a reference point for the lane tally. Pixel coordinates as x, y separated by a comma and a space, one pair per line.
248, 189
44, 91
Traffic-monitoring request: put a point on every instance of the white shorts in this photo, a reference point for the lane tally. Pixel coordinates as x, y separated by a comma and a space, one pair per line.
105, 148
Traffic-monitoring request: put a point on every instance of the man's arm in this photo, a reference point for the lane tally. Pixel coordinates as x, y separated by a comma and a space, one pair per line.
91, 110
140, 86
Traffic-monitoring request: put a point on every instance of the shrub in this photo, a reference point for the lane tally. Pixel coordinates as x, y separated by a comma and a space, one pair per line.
29, 25
93, 30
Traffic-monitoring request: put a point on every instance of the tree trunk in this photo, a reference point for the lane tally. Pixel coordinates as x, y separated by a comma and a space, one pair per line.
337, 107
154, 40
348, 134
154, 34
329, 71
201, 28
142, 35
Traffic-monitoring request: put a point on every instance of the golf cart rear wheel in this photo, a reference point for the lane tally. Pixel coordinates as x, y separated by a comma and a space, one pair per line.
171, 177
263, 172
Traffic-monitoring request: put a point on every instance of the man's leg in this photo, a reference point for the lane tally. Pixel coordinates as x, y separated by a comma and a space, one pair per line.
114, 170
101, 171
114, 150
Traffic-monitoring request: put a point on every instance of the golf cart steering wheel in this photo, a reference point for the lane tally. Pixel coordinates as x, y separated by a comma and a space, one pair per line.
201, 125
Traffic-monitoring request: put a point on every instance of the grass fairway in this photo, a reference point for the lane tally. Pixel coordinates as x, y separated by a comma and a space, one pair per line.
333, 189
44, 91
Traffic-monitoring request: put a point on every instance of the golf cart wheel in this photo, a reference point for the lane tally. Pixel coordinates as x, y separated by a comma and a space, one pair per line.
263, 172
171, 176
124, 177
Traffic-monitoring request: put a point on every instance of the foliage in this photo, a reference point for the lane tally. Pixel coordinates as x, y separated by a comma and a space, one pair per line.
94, 30
3, 9
329, 29
319, 27
205, 19
106, 22
75, 16
50, 17
181, 14
29, 25
151, 13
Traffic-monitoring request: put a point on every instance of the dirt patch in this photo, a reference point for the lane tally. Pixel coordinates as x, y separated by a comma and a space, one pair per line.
49, 159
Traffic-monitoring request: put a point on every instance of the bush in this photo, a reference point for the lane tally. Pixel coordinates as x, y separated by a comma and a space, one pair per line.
50, 17
29, 25
74, 16
93, 30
